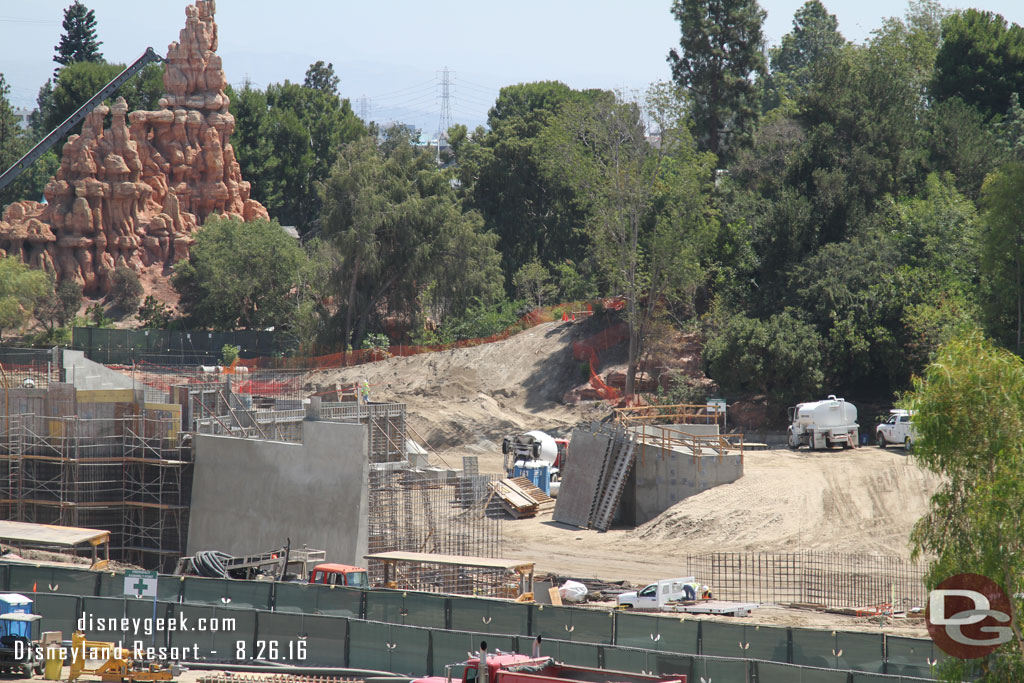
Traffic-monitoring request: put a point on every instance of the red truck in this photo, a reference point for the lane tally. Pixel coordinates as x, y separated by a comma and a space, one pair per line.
502, 667
333, 574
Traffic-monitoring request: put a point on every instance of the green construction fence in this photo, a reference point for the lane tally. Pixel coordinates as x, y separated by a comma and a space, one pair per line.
371, 621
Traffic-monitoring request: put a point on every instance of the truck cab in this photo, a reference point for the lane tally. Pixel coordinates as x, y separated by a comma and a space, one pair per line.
898, 430
331, 574
563, 453
658, 594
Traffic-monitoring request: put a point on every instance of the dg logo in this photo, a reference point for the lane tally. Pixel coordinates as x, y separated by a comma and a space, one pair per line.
968, 616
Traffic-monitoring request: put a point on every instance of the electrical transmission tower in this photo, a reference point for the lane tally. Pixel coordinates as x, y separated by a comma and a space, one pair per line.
445, 121
364, 108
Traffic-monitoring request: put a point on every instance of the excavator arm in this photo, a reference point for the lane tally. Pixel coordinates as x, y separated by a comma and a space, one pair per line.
58, 133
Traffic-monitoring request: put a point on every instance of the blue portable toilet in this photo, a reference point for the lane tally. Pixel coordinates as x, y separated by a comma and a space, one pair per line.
537, 471
15, 604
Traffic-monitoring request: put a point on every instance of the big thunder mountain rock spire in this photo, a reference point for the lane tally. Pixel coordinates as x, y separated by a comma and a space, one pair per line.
133, 194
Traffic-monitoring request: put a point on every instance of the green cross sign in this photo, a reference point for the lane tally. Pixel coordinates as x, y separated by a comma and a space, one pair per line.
140, 583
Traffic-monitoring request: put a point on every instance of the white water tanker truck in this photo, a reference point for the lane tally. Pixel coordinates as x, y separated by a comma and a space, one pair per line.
823, 424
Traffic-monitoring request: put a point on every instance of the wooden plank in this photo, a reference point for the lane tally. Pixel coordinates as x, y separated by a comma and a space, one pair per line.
512, 496
543, 500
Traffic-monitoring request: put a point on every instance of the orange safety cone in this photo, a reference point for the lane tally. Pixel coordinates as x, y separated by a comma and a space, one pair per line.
574, 317
565, 317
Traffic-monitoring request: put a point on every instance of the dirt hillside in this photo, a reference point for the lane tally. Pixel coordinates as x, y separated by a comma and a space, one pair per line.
475, 396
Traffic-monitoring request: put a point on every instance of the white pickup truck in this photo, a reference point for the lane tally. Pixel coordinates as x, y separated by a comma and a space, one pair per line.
658, 594
897, 430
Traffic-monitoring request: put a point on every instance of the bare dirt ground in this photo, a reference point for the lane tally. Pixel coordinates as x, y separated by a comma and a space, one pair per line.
462, 402
465, 397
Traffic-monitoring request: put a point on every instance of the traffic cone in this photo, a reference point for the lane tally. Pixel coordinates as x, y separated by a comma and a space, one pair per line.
565, 317
574, 317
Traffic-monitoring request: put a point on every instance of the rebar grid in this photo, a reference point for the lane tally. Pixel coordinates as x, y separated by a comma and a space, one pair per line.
820, 578
410, 511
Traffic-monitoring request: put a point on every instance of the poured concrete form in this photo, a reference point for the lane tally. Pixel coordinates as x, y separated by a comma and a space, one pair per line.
251, 494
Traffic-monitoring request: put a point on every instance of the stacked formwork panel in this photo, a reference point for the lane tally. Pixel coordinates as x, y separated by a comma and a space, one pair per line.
128, 475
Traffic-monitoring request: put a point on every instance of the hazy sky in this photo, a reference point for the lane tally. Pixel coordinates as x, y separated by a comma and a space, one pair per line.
390, 54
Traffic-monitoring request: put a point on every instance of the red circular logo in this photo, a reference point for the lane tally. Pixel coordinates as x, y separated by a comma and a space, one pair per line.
968, 616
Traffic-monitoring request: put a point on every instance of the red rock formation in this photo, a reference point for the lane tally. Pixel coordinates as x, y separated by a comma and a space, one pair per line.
134, 193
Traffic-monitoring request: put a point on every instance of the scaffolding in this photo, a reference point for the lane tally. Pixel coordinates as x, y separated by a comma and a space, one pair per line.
129, 475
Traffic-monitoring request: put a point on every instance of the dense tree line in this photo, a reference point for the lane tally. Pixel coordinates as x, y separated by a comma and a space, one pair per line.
825, 213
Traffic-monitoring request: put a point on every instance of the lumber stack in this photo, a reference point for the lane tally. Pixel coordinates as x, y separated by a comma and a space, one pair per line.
520, 499
544, 501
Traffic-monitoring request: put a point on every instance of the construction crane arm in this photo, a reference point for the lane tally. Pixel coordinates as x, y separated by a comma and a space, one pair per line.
44, 145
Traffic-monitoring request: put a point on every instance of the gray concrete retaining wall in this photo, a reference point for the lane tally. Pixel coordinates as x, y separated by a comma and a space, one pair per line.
249, 496
88, 375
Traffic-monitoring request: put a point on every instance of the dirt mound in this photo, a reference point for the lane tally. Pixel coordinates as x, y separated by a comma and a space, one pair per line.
857, 502
466, 396
864, 501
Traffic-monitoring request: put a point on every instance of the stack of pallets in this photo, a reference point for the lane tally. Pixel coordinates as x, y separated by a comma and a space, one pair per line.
520, 497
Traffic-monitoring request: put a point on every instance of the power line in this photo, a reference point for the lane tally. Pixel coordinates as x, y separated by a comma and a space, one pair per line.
19, 20
401, 90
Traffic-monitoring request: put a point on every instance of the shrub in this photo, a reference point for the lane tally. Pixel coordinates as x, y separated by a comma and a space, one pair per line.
228, 354
125, 289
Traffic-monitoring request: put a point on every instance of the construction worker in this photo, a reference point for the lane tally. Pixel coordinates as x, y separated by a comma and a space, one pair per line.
693, 590
364, 391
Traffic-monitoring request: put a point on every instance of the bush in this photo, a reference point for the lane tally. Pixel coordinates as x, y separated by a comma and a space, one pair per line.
482, 320
228, 354
153, 314
779, 357
98, 316
377, 340
683, 390
125, 289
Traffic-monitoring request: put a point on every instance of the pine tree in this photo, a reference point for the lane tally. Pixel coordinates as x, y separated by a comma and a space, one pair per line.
722, 50
78, 42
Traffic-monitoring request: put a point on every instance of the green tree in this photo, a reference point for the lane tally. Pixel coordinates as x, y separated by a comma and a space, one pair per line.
533, 282
973, 524
78, 42
288, 137
153, 314
500, 175
76, 83
220, 288
61, 305
406, 246
721, 51
981, 61
1003, 255
647, 206
815, 37
21, 291
322, 78
779, 357
228, 354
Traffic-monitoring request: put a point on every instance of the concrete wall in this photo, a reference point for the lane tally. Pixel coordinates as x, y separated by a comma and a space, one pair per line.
250, 496
657, 481
86, 374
